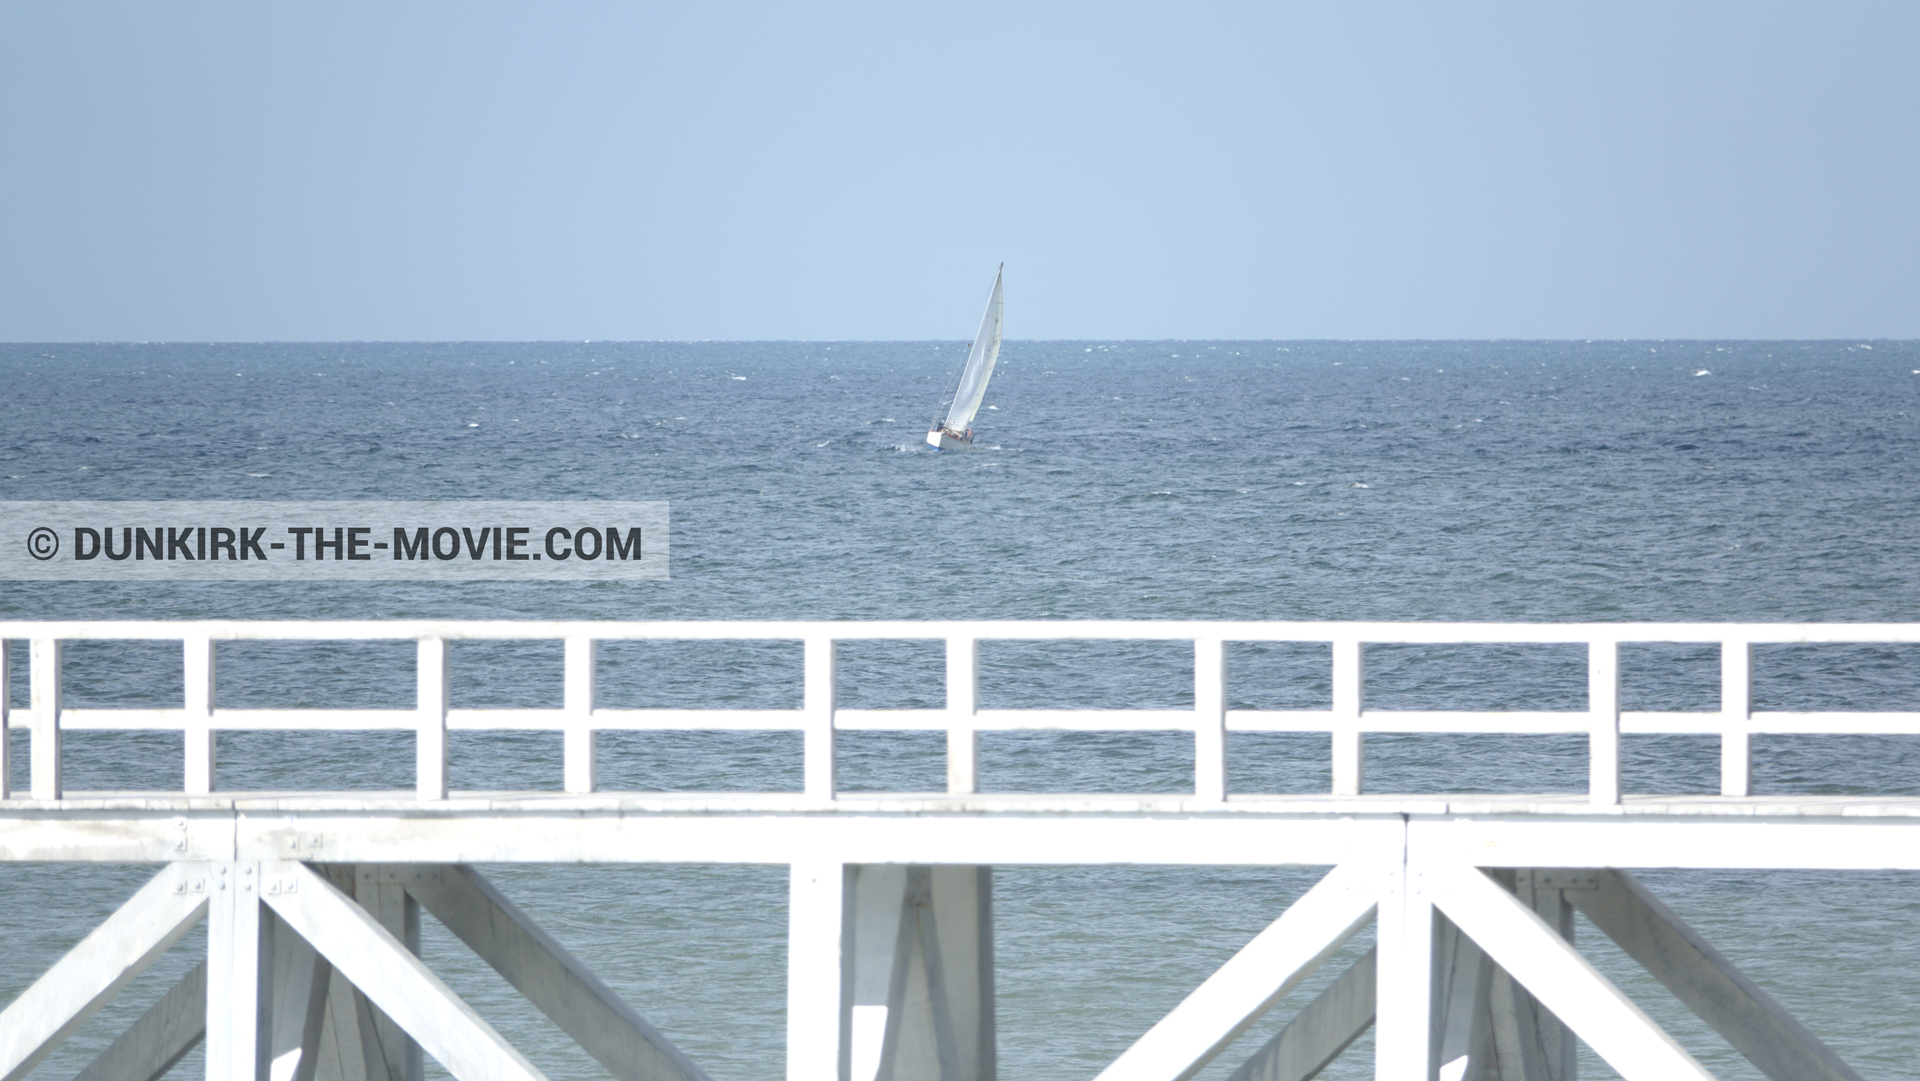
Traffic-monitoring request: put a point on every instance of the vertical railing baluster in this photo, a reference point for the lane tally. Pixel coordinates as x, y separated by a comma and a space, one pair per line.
1736, 718
1209, 720
43, 689
963, 701
1603, 719
197, 731
430, 745
817, 705
1349, 701
579, 750
6, 720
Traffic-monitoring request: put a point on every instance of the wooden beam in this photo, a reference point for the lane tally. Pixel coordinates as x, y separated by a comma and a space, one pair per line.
1749, 1018
1403, 1045
162, 1037
239, 975
1515, 936
93, 972
552, 979
378, 889
1252, 980
1318, 1034
389, 975
297, 1004
819, 971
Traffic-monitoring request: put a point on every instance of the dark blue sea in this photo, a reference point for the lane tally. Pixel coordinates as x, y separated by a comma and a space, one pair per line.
1431, 481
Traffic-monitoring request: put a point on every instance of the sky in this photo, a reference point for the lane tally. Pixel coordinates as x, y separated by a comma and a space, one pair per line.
821, 171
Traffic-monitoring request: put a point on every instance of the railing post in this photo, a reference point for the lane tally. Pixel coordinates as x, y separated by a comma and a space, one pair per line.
1209, 720
197, 732
1349, 700
817, 705
430, 746
44, 691
579, 705
6, 716
1736, 718
1603, 709
963, 699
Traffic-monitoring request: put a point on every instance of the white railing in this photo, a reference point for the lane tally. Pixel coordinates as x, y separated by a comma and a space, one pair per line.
818, 718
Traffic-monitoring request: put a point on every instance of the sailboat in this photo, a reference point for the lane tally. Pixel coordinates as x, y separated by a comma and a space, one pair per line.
957, 430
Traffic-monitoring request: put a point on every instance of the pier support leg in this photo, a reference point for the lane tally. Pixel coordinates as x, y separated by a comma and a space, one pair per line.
358, 1042
892, 974
1526, 1041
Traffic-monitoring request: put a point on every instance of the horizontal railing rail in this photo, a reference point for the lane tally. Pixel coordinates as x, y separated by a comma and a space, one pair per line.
1347, 720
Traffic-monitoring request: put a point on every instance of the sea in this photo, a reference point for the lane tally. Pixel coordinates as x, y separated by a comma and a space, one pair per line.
1555, 481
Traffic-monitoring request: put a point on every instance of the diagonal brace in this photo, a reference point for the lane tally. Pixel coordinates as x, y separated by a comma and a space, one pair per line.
389, 975
1520, 941
1318, 1034
162, 1037
1264, 971
1709, 984
551, 978
93, 972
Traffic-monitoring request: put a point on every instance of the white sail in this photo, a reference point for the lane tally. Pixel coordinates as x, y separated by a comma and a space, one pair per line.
973, 378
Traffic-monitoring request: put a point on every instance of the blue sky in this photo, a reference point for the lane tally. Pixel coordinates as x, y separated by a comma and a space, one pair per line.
213, 171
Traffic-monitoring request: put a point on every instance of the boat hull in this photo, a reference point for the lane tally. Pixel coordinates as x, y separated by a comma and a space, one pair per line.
941, 439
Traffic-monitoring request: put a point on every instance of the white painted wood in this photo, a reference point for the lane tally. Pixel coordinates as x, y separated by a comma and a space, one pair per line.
963, 701
1603, 707
430, 749
962, 900
1736, 718
378, 889
922, 974
819, 971
6, 721
535, 963
389, 975
1349, 700
93, 972
1252, 980
1526, 1042
296, 1002
239, 975
1462, 981
1698, 975
579, 703
1318, 1034
43, 690
197, 724
164, 1034
349, 1040
1404, 999
879, 951
1209, 720
1522, 943
817, 699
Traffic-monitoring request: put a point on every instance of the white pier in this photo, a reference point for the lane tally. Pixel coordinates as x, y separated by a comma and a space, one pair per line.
313, 899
